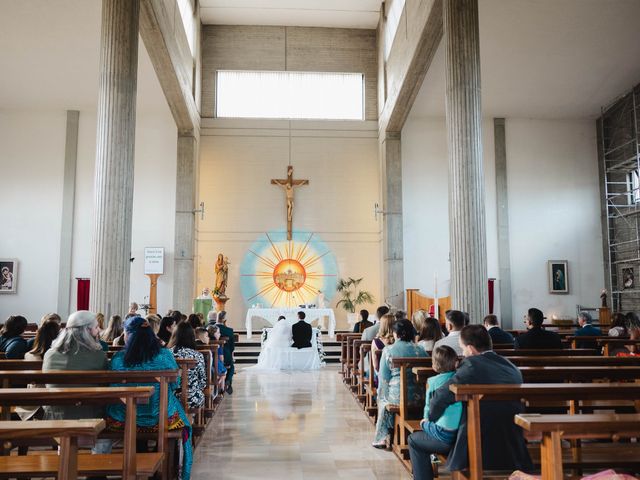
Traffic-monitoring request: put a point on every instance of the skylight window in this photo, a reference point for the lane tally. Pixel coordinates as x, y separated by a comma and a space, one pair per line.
308, 95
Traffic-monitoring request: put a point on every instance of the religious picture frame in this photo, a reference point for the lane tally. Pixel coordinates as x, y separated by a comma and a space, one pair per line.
628, 277
8, 275
558, 273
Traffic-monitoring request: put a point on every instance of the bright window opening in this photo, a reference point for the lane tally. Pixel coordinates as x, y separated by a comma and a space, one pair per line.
309, 95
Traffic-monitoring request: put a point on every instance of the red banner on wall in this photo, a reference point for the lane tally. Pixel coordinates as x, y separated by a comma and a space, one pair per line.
84, 284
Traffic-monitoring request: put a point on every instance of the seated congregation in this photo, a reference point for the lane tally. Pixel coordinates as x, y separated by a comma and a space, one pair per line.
480, 400
148, 386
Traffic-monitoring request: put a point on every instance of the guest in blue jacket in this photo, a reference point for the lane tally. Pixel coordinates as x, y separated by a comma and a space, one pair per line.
585, 329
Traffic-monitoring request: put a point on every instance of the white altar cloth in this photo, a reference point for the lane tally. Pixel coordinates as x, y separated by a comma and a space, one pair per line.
271, 315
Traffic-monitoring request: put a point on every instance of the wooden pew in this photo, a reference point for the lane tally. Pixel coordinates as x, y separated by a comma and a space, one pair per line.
354, 367
164, 437
558, 374
613, 343
342, 338
68, 432
365, 348
573, 340
559, 361
572, 392
371, 407
555, 427
129, 464
548, 352
349, 373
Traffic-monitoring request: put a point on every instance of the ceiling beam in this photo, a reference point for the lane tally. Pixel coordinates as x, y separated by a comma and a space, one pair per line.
413, 64
166, 43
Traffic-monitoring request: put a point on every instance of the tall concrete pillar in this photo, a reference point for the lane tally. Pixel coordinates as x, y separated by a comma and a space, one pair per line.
114, 157
392, 243
184, 251
466, 180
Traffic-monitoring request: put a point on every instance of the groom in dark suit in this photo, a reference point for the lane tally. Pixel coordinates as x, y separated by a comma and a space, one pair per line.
301, 332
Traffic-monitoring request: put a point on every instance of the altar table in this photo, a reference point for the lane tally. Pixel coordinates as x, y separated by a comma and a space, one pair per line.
271, 315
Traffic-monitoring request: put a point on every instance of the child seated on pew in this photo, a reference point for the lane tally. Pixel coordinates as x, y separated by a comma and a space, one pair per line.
445, 429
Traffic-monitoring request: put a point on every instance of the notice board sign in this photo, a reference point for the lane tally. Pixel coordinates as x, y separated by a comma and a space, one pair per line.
153, 260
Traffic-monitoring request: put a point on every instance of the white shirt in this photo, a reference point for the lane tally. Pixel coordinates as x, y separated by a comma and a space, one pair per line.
451, 340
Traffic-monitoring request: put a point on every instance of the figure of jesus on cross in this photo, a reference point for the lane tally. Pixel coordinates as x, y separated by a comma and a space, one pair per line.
289, 184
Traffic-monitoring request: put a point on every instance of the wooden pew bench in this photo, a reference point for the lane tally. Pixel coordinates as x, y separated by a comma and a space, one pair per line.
166, 439
612, 345
355, 369
555, 427
349, 370
559, 352
68, 432
575, 393
343, 339
129, 464
361, 394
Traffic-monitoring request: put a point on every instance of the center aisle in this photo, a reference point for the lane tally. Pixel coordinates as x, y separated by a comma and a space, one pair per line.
298, 425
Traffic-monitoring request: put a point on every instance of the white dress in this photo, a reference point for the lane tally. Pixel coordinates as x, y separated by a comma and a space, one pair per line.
278, 354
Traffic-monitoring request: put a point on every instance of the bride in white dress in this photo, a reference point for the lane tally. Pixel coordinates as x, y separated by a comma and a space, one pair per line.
277, 354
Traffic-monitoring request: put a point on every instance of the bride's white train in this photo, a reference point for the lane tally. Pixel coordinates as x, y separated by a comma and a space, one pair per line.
278, 354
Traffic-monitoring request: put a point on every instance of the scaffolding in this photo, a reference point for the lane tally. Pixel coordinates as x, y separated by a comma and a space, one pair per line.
619, 145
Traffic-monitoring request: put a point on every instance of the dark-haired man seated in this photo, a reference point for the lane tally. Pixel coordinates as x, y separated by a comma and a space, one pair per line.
498, 336
503, 439
537, 336
301, 332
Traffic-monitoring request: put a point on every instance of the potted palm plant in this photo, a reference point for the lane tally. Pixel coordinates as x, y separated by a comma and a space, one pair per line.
352, 297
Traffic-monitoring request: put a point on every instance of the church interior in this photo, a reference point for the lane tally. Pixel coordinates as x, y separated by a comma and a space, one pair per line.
250, 160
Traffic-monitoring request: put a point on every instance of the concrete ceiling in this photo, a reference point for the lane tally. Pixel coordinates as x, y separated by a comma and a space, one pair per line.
303, 13
540, 58
548, 58
49, 52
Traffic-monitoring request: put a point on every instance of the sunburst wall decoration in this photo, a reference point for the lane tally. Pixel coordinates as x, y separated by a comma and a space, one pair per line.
277, 272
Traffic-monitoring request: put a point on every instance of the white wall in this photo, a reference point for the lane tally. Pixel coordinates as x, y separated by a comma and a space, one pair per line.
153, 201
425, 203
31, 168
554, 212
237, 160
554, 209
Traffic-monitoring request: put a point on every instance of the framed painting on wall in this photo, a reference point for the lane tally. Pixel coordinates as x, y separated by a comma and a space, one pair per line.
628, 278
558, 276
8, 275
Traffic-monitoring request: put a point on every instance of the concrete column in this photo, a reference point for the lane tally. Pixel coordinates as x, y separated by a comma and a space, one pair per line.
68, 199
392, 243
466, 181
114, 157
502, 201
184, 251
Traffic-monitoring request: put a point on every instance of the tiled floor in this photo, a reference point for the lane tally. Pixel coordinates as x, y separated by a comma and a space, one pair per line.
292, 426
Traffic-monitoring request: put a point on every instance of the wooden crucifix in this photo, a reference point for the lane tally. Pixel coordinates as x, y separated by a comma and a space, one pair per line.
289, 184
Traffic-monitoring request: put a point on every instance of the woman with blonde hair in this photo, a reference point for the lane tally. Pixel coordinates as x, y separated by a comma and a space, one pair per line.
384, 338
100, 320
418, 319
